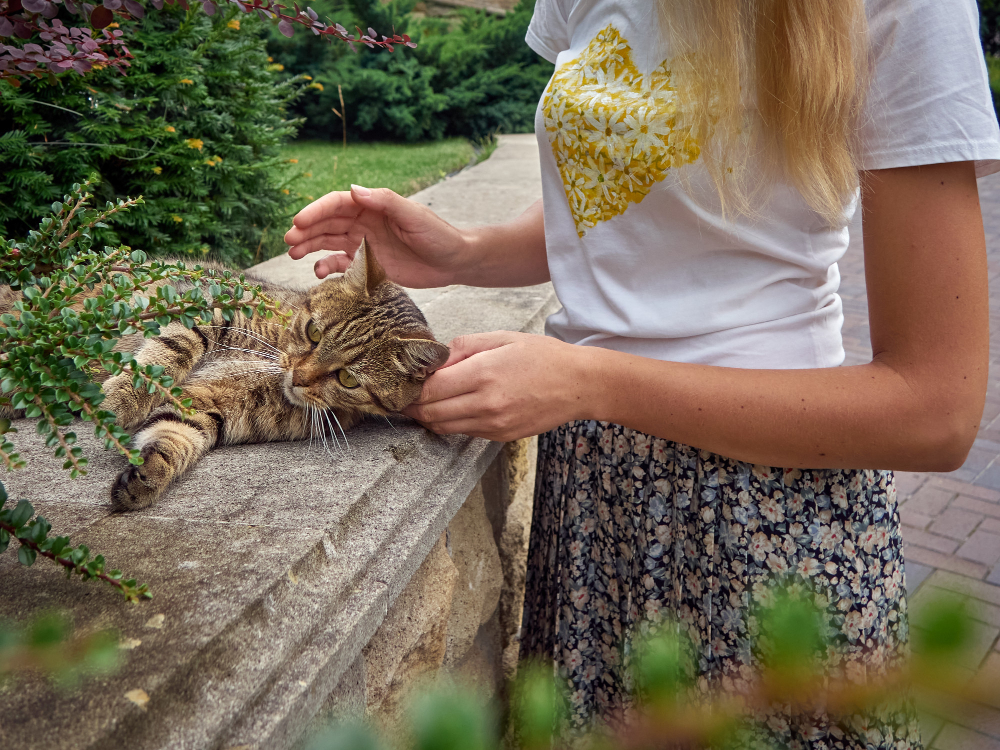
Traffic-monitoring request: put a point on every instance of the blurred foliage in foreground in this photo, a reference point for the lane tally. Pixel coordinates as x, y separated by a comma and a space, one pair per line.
48, 645
667, 712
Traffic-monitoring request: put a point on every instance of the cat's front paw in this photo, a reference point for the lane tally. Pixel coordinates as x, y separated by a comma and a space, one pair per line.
139, 487
130, 406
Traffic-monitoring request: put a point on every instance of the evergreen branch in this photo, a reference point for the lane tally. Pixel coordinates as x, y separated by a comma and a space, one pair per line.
109, 436
103, 216
72, 457
33, 537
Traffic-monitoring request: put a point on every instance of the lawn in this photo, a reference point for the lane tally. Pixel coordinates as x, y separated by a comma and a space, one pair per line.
405, 168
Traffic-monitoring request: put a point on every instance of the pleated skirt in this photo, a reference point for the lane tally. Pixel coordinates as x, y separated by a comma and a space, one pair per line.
631, 531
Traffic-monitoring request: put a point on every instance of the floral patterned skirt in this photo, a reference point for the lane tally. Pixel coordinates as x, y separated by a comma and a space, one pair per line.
630, 530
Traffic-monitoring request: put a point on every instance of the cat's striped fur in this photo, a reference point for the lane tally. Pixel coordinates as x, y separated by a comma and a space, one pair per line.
354, 345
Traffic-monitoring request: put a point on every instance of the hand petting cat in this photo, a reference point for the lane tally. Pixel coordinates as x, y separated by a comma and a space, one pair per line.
416, 247
505, 386
500, 385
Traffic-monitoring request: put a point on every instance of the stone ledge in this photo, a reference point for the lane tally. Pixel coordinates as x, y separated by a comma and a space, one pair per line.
272, 565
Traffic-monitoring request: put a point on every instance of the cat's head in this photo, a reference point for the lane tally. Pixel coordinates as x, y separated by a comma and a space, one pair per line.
359, 343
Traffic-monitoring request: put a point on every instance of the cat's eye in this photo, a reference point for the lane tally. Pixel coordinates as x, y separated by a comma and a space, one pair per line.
346, 379
313, 332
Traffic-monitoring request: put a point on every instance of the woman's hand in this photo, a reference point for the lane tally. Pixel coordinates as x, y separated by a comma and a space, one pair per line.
504, 386
416, 247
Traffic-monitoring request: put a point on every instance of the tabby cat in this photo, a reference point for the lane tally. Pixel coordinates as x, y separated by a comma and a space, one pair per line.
355, 345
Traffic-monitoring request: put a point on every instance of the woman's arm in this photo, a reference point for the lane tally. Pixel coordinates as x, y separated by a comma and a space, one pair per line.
916, 406
416, 247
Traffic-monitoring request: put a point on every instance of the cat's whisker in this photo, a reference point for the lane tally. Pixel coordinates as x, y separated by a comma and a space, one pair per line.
341, 430
312, 425
322, 431
276, 368
333, 432
256, 352
390, 423
250, 334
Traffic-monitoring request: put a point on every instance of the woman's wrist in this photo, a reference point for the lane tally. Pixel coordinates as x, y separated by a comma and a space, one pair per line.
509, 254
591, 380
470, 259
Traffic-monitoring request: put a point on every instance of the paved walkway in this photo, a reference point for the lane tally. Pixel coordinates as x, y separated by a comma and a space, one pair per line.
951, 522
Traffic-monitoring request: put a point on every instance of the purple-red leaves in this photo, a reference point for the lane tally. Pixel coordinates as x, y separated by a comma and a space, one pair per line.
101, 17
74, 48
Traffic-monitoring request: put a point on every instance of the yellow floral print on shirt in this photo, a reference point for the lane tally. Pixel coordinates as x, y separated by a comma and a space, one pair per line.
614, 132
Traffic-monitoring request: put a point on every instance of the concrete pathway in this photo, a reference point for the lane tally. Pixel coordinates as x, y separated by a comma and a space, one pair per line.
951, 522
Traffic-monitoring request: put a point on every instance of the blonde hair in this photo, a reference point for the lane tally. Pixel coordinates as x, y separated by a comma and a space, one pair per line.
780, 79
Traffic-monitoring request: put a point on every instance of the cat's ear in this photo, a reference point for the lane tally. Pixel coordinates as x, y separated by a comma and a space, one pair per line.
424, 355
365, 273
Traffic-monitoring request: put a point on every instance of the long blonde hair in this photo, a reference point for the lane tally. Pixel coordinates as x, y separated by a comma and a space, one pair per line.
801, 65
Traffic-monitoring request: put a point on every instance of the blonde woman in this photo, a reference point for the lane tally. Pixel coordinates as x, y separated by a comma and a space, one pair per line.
701, 161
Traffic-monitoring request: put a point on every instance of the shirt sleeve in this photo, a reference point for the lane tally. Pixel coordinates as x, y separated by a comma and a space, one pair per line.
548, 32
930, 100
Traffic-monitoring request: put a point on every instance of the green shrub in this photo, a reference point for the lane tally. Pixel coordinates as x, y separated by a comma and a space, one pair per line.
993, 67
471, 79
195, 127
989, 25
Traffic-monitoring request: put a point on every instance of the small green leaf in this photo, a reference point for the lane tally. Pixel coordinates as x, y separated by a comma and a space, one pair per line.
22, 513
26, 556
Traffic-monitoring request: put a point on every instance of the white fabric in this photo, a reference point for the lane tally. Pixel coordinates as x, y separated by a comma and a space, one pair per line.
661, 274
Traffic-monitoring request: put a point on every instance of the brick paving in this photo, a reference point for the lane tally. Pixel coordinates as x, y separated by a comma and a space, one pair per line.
951, 522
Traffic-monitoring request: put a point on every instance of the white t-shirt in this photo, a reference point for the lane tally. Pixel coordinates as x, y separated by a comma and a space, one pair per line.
643, 262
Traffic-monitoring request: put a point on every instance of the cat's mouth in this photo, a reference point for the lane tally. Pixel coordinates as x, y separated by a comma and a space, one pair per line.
295, 394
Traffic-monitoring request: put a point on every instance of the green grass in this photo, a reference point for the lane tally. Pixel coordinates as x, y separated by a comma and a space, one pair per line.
405, 168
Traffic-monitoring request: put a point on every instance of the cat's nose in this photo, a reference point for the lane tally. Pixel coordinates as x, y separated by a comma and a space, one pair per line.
299, 378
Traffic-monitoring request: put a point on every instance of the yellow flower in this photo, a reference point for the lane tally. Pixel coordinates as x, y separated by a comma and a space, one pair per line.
285, 191
195, 143
205, 249
157, 170
210, 162
310, 198
234, 24
177, 218
270, 59
307, 78
276, 66
186, 81
97, 66
170, 129
316, 85
307, 174
112, 25
218, 159
293, 161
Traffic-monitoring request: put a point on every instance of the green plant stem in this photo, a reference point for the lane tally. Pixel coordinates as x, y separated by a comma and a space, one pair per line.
142, 592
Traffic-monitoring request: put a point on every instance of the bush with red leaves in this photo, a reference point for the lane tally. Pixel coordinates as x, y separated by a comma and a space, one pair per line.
56, 48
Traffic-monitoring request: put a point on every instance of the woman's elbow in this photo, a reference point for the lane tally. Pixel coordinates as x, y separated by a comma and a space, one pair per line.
945, 434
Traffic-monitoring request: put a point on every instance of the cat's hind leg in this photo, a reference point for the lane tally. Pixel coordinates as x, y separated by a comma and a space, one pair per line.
170, 447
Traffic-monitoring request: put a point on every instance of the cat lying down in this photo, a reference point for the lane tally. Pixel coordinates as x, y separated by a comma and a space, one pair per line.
354, 345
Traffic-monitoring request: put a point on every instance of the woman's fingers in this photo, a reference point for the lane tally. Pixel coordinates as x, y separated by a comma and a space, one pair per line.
337, 203
336, 263
411, 217
340, 225
342, 243
462, 406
